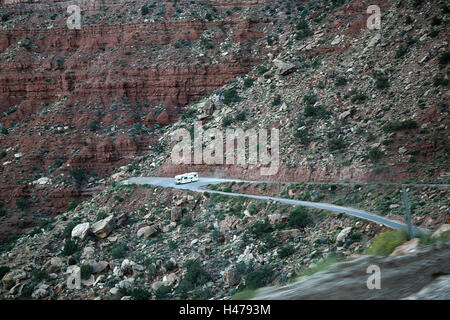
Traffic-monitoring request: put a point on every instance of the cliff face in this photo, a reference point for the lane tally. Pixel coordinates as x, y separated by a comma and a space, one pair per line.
52, 63
77, 103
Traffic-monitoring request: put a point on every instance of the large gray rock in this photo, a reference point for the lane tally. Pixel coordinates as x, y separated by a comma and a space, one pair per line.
39, 294
81, 231
408, 247
146, 232
343, 234
99, 266
176, 214
231, 276
103, 228
284, 68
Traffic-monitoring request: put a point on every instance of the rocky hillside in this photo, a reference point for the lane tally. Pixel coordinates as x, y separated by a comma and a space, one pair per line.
76, 104
142, 242
350, 103
84, 109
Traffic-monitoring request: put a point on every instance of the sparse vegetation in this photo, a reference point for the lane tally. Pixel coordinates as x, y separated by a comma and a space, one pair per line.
400, 125
385, 243
299, 217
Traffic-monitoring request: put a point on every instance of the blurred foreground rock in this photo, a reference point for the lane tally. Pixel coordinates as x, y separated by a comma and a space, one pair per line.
420, 275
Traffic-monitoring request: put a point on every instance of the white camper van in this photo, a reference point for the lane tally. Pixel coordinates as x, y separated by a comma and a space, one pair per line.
186, 178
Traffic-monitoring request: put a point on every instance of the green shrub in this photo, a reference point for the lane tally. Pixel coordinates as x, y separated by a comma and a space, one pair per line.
261, 70
241, 116
276, 101
22, 203
401, 51
444, 58
119, 251
439, 80
39, 275
70, 247
72, 205
299, 217
336, 144
86, 271
286, 251
4, 270
78, 175
340, 81
140, 294
231, 96
260, 277
159, 147
195, 276
162, 293
217, 236
311, 111
27, 290
303, 30
189, 114
358, 97
402, 125
385, 243
436, 21
144, 10
248, 82
67, 233
382, 82
187, 221
93, 125
261, 229
227, 120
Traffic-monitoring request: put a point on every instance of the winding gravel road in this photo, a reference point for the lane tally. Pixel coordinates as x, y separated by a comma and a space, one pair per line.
203, 182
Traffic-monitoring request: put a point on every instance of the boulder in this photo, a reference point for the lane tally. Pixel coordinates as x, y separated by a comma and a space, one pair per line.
13, 278
103, 227
284, 68
88, 252
176, 214
99, 266
39, 294
146, 232
56, 262
81, 231
170, 279
125, 284
408, 247
290, 233
274, 218
231, 276
442, 231
343, 234
163, 119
